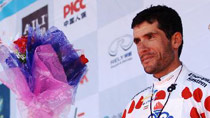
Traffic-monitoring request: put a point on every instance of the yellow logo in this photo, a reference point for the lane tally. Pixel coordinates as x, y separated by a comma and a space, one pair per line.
149, 96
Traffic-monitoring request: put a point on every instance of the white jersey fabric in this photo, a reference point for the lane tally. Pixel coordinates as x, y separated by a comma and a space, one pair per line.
190, 99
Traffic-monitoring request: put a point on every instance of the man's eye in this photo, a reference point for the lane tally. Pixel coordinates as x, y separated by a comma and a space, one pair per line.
136, 41
149, 36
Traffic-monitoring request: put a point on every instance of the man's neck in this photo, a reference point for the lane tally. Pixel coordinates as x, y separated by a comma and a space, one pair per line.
167, 70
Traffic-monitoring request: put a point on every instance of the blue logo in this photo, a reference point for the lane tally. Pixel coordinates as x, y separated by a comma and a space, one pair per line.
163, 114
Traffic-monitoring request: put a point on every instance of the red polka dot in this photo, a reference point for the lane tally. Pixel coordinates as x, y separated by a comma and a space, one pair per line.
197, 95
207, 103
160, 95
186, 93
194, 113
140, 102
131, 107
203, 115
124, 113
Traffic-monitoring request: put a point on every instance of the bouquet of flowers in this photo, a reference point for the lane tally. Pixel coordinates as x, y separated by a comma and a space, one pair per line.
43, 72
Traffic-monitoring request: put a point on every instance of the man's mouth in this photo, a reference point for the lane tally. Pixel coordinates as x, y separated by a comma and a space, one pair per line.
146, 59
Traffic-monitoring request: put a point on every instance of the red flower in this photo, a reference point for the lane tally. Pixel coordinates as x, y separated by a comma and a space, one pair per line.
83, 59
21, 44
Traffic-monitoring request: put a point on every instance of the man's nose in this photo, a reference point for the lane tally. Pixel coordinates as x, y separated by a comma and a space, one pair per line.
142, 47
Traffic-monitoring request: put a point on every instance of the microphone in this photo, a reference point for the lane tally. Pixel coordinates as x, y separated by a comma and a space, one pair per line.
171, 88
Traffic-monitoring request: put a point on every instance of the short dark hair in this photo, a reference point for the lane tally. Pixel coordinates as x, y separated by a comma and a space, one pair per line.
168, 20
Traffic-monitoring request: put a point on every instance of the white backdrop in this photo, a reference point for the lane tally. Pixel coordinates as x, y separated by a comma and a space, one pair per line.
102, 29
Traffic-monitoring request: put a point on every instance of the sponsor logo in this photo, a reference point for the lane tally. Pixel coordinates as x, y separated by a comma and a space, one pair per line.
149, 96
146, 103
74, 12
4, 3
78, 115
73, 7
163, 114
123, 43
150, 87
38, 18
146, 107
198, 79
119, 115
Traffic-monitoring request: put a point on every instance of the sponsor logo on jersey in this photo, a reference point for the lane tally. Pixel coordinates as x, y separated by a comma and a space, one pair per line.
162, 115
198, 79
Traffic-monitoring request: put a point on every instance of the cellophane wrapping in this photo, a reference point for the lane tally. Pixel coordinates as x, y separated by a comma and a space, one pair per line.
45, 84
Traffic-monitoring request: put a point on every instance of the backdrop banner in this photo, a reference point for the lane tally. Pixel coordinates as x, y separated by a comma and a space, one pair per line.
101, 29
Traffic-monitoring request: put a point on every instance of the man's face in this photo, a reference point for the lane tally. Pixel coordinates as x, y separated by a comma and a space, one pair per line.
154, 48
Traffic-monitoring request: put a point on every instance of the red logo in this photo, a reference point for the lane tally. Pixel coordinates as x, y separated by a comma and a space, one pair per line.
73, 7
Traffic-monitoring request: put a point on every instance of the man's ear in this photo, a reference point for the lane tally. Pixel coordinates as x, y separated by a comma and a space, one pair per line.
176, 40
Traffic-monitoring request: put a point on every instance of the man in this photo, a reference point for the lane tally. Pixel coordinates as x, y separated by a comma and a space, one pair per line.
176, 92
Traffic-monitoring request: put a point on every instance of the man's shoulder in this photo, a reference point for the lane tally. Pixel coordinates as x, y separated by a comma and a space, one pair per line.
196, 85
133, 108
140, 96
143, 92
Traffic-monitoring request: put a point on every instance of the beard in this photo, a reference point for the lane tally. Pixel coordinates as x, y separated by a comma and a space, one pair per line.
159, 61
